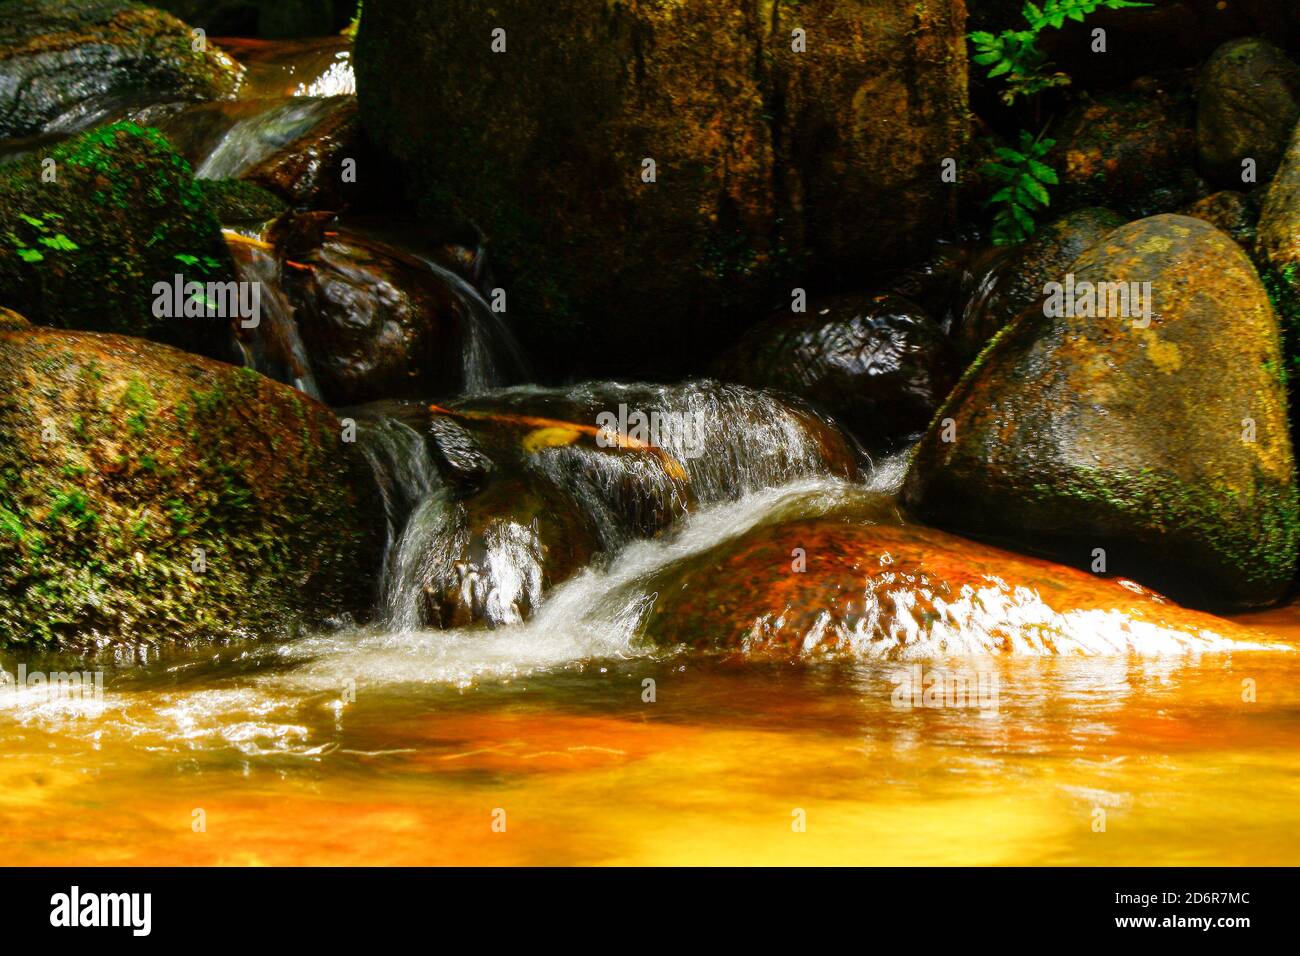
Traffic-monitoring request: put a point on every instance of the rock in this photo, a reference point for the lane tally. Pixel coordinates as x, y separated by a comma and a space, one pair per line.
65, 64
1128, 151
1248, 102
129, 465
878, 364
998, 293
1072, 434
121, 214
308, 172
270, 19
765, 159
381, 322
881, 591
1232, 212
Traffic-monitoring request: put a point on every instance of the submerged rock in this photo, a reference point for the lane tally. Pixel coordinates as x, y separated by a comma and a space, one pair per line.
528, 495
1163, 443
1248, 103
66, 64
878, 364
1011, 283
763, 157
1129, 151
881, 591
148, 495
87, 246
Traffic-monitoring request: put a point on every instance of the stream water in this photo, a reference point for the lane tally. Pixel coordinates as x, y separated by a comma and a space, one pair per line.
397, 746
564, 738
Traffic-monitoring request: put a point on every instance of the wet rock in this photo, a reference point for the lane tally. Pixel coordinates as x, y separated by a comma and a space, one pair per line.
148, 495
121, 214
879, 364
1248, 103
1165, 445
1129, 151
1232, 212
764, 158
1010, 283
66, 64
880, 591
382, 322
308, 172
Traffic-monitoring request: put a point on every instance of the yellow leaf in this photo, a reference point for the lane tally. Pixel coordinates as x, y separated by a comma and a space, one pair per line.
550, 437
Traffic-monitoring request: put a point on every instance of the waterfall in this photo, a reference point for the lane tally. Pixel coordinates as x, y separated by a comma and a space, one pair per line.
252, 138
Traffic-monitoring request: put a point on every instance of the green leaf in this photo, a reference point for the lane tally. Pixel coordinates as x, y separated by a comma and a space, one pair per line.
1010, 155
1043, 173
30, 255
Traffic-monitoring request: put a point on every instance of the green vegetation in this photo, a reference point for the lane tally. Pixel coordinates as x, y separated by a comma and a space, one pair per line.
1024, 177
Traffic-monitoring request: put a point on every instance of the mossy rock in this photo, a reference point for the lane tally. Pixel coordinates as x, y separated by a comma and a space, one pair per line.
12, 320
64, 62
1248, 102
766, 160
1277, 249
1166, 446
83, 241
883, 591
123, 462
237, 200
1015, 281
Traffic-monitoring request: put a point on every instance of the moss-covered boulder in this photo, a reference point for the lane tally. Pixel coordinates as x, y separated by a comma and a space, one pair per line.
148, 495
1277, 249
65, 63
1131, 151
1162, 442
1010, 284
878, 364
1248, 102
765, 158
84, 239
882, 591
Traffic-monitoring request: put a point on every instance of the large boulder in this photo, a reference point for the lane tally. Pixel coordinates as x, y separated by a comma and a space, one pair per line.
64, 64
882, 591
90, 235
878, 364
1247, 105
148, 495
1164, 444
764, 158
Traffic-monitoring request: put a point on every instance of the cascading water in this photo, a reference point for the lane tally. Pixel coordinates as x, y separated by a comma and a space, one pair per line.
252, 138
274, 346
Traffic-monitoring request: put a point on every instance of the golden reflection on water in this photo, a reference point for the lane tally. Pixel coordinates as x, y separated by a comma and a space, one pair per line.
715, 770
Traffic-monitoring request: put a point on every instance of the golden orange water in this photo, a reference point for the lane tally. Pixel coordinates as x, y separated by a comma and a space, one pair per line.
237, 757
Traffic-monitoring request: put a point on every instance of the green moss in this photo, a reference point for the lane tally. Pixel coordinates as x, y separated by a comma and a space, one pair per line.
235, 200
98, 537
120, 208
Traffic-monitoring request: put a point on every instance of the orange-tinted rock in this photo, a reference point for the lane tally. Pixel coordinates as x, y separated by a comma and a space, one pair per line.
908, 592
